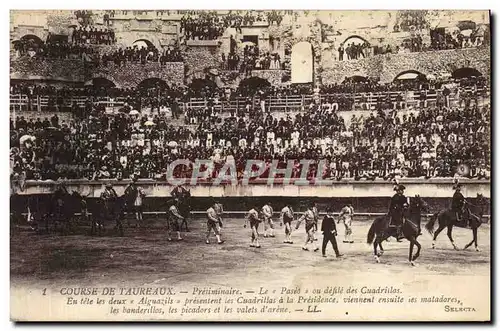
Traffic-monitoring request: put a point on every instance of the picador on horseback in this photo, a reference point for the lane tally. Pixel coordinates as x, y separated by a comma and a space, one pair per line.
398, 204
458, 204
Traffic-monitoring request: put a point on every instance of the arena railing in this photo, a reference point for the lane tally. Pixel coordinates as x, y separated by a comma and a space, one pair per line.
360, 100
46, 103
447, 182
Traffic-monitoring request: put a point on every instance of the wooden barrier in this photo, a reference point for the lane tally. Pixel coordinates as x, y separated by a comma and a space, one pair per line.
360, 101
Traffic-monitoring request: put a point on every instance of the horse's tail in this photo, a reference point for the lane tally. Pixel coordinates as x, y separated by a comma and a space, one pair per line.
430, 225
371, 233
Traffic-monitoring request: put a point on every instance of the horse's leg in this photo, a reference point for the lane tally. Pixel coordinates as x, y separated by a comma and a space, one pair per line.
100, 226
474, 239
381, 248
449, 233
438, 231
186, 222
474, 233
410, 252
47, 223
375, 244
92, 225
417, 254
119, 222
119, 225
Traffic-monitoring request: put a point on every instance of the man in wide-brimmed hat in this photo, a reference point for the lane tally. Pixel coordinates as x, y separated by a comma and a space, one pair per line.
396, 209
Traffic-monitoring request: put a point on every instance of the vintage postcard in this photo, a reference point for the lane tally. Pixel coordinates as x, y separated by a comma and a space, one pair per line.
278, 165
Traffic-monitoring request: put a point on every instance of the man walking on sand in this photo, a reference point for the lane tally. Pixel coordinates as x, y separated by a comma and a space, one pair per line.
346, 215
329, 233
267, 215
287, 218
254, 220
309, 217
213, 220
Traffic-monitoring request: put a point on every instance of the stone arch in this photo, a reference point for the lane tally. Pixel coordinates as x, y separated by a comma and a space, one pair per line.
302, 62
354, 38
22, 31
33, 37
142, 43
408, 73
465, 72
152, 82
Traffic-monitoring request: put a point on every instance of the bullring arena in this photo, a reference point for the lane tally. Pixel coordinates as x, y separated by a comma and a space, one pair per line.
109, 109
144, 255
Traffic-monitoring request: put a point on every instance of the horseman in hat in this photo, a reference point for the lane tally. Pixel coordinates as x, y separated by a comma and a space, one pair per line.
458, 202
396, 209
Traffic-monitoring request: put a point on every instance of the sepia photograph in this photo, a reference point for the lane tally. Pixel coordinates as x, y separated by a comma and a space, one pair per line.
250, 165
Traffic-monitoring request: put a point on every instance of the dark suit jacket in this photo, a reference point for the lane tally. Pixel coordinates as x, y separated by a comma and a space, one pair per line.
328, 225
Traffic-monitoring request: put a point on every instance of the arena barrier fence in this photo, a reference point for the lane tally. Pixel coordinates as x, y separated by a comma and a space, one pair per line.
200, 213
356, 101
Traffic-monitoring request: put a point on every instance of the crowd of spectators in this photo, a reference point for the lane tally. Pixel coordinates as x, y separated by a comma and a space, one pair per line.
367, 85
252, 60
204, 26
415, 43
136, 54
84, 17
209, 25
92, 35
58, 49
429, 142
353, 51
351, 93
137, 98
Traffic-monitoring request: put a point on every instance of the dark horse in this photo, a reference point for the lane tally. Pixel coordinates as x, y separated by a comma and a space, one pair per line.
17, 208
381, 229
100, 212
473, 212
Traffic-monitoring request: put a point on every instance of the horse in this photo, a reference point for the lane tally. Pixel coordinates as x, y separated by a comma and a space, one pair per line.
184, 208
99, 213
447, 218
381, 230
16, 215
58, 210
